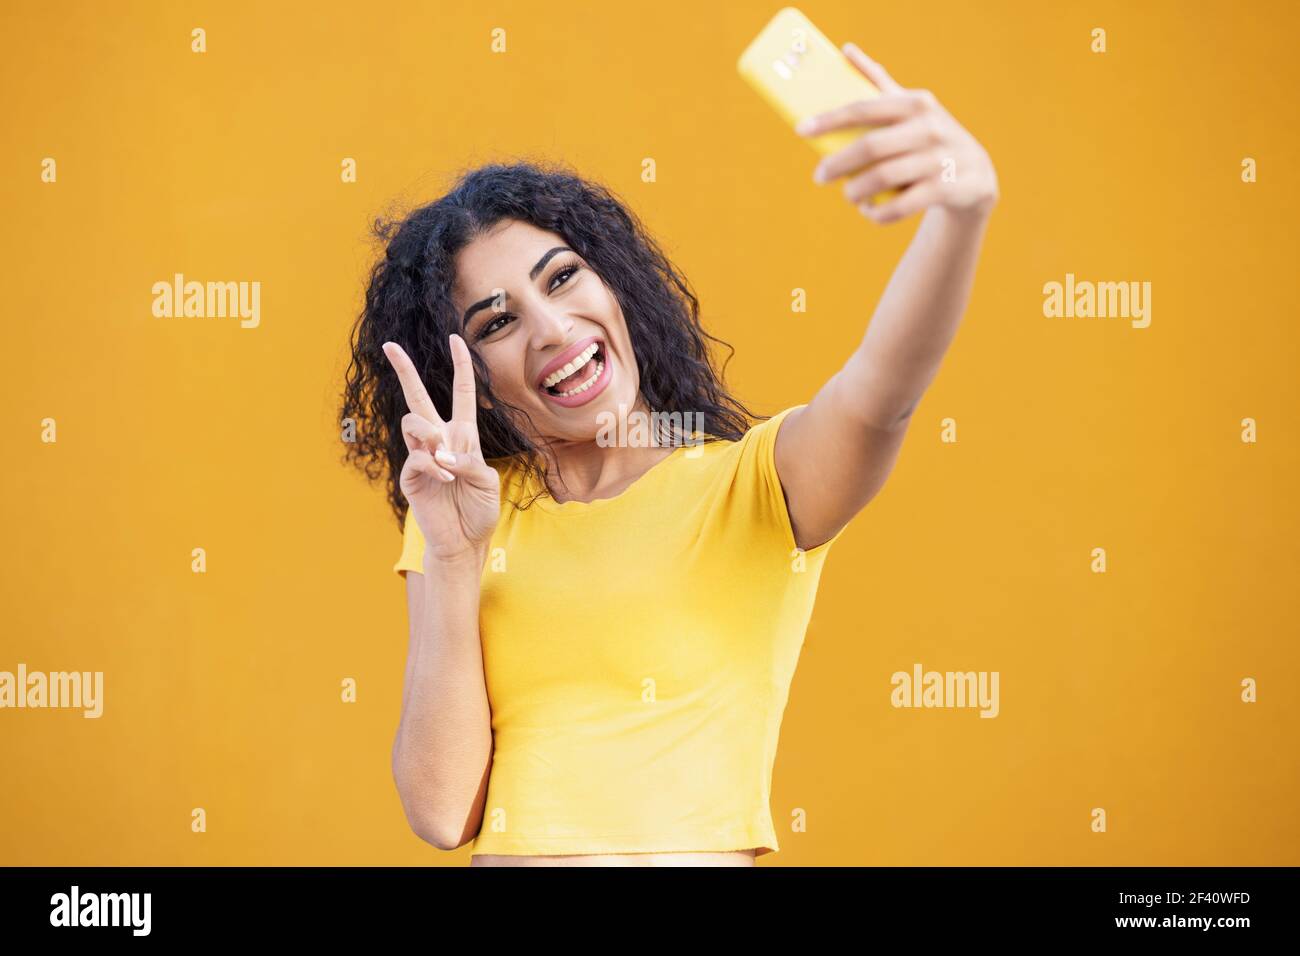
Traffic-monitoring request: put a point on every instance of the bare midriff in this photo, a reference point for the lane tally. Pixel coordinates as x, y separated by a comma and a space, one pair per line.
728, 858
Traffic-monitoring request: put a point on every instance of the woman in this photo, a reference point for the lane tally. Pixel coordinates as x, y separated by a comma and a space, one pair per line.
597, 670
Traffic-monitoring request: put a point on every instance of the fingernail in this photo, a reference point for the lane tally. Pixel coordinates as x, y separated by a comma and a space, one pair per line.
445, 475
804, 126
444, 456
819, 175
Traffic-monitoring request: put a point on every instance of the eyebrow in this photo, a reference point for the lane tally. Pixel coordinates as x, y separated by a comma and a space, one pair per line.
532, 274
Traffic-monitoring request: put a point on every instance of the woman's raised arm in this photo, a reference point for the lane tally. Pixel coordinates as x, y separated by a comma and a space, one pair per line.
834, 455
443, 749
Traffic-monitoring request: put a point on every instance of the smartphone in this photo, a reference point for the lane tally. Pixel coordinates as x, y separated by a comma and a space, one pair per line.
800, 73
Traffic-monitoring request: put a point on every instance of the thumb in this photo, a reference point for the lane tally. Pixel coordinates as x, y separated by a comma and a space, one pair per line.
872, 70
465, 464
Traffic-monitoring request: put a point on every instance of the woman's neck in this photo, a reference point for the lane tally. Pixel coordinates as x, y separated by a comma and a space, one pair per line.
587, 470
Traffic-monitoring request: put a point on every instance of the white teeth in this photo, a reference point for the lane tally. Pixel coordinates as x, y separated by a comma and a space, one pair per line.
600, 367
560, 374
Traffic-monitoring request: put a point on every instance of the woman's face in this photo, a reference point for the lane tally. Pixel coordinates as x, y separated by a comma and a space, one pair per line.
531, 308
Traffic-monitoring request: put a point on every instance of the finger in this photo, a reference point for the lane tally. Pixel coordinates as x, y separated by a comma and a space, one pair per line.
455, 462
417, 396
893, 173
419, 432
463, 464
464, 407
872, 147
871, 69
868, 112
422, 463
467, 465
910, 200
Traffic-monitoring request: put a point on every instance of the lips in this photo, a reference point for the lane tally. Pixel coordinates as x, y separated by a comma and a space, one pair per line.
565, 357
578, 374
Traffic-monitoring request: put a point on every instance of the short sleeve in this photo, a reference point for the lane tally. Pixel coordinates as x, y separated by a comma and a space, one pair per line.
757, 468
412, 558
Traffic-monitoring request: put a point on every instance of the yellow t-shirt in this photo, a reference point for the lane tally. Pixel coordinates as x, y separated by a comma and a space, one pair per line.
638, 653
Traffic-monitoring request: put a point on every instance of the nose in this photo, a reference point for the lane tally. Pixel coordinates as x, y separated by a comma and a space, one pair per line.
552, 327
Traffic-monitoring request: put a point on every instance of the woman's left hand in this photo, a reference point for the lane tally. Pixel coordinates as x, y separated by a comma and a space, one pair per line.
918, 148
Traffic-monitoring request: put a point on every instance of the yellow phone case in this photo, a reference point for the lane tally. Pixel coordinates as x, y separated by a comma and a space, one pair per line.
800, 73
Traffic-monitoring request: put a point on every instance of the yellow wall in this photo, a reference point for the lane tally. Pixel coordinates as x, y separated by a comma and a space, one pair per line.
1119, 690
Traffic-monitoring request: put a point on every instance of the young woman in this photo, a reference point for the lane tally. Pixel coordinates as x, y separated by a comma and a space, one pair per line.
604, 625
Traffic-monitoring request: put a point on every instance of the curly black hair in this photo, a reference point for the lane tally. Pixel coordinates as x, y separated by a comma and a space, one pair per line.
408, 301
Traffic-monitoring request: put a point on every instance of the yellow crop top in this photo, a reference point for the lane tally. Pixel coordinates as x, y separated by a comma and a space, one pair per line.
638, 652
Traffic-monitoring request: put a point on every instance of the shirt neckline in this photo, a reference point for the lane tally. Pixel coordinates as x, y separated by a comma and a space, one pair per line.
549, 504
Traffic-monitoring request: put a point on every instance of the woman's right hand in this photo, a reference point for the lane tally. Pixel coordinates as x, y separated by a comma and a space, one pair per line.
454, 494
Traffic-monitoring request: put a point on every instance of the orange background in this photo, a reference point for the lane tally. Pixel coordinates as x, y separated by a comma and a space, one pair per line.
222, 690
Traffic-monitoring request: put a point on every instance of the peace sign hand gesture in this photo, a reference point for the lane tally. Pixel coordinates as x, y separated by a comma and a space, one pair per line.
454, 494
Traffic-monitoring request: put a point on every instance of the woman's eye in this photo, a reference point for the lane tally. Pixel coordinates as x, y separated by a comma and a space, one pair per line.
566, 273
491, 327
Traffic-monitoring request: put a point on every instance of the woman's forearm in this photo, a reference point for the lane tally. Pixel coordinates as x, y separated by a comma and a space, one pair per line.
443, 747
918, 315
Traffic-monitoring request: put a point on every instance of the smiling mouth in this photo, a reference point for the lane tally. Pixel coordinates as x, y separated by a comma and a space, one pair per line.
579, 375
